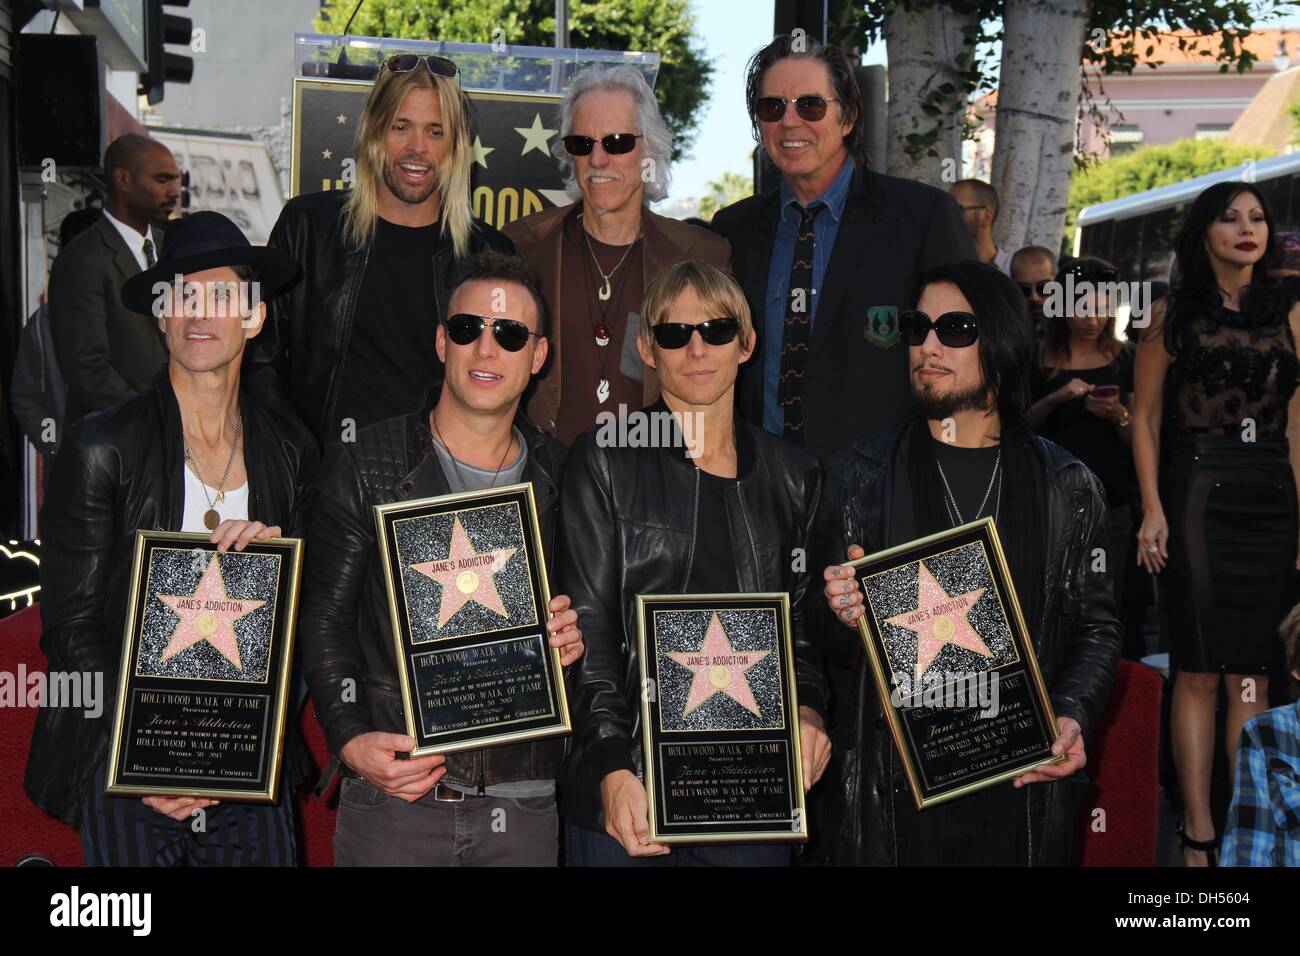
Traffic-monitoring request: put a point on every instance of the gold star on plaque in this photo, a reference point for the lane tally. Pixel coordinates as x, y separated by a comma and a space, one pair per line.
535, 136
481, 152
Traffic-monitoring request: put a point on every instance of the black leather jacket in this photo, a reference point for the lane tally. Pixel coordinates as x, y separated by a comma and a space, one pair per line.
120, 470
345, 625
299, 357
629, 529
1077, 641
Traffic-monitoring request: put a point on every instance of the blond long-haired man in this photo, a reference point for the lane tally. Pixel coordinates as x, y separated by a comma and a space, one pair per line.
351, 343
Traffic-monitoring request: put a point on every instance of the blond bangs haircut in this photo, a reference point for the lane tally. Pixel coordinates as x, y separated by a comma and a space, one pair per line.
718, 292
386, 97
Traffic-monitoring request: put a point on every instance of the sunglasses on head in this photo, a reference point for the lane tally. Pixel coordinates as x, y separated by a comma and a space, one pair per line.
675, 335
464, 328
1029, 288
1103, 274
615, 144
770, 109
406, 62
955, 330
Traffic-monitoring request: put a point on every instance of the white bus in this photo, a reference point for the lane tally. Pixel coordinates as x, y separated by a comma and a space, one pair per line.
1137, 232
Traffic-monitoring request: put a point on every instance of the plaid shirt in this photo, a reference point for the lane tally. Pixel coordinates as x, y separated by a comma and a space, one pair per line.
1263, 826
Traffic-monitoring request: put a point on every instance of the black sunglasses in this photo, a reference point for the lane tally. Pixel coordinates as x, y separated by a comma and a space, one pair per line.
955, 330
1029, 288
616, 144
675, 335
463, 328
770, 109
406, 62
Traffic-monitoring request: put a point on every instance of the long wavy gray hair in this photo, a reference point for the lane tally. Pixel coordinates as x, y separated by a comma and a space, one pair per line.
656, 142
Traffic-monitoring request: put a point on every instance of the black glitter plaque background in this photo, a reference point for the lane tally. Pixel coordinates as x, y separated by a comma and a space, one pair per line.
748, 630
958, 571
428, 538
178, 571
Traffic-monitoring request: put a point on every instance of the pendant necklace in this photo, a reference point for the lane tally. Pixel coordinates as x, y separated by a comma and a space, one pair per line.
210, 517
604, 294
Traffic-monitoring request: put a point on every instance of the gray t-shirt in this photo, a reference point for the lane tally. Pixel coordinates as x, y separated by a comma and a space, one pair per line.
463, 477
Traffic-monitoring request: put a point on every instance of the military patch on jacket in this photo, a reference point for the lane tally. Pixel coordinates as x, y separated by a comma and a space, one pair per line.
882, 325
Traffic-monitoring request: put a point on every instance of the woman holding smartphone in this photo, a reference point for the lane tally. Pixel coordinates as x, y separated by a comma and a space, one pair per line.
1222, 528
1081, 393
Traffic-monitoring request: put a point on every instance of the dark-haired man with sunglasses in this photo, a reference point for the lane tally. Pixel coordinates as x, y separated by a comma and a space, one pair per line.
596, 256
969, 454
725, 510
352, 342
828, 259
469, 436
1033, 268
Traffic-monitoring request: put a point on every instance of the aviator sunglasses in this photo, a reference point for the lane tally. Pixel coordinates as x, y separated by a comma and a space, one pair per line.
955, 330
675, 335
406, 62
770, 109
615, 144
464, 329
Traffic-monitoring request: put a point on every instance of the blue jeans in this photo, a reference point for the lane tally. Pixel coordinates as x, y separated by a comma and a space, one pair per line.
585, 847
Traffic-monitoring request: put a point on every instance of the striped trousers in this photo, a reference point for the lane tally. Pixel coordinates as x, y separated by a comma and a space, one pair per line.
122, 831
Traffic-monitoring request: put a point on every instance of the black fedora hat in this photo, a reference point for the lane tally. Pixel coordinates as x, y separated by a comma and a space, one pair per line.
206, 240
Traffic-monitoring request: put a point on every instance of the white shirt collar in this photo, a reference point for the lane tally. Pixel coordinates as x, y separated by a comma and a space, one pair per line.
134, 240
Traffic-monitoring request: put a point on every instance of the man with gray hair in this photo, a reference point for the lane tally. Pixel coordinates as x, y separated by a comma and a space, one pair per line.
597, 256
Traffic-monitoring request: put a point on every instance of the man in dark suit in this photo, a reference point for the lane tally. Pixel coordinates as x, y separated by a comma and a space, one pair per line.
829, 259
107, 353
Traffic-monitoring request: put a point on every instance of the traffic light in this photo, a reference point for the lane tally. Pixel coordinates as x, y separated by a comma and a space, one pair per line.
161, 28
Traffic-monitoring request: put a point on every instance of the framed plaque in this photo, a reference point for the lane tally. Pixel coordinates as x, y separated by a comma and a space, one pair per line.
468, 594
720, 719
203, 692
953, 663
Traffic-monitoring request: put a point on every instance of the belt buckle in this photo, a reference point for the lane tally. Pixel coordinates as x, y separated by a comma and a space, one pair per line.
446, 794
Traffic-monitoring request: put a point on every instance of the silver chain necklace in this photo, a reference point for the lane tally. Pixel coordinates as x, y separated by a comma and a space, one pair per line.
954, 513
210, 517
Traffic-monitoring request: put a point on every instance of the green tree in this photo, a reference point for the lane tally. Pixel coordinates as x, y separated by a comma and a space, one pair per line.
666, 27
1153, 166
723, 191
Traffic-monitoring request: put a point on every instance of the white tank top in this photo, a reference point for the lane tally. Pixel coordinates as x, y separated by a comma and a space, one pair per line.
196, 503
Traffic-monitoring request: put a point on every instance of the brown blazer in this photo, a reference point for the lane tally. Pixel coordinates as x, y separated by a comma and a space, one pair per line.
539, 240
106, 353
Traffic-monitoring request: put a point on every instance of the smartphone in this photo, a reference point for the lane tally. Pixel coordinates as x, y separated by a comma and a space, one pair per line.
1105, 391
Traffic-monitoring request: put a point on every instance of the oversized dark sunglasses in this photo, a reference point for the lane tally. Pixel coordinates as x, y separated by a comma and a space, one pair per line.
770, 109
615, 144
406, 62
1029, 288
675, 335
463, 328
956, 330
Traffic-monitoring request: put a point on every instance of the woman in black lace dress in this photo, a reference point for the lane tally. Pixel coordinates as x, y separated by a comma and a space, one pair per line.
1222, 527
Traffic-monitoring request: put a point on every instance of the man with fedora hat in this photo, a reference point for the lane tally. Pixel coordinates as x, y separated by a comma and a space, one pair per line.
192, 452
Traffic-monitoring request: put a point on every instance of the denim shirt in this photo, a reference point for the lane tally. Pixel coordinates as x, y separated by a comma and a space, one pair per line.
825, 228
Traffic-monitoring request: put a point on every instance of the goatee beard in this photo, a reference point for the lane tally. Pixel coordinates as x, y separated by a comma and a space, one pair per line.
938, 407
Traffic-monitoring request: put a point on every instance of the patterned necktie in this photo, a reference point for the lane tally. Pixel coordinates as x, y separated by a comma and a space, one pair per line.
794, 342
149, 258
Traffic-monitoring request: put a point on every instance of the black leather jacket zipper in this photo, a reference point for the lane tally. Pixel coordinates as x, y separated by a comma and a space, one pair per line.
345, 334
749, 529
695, 521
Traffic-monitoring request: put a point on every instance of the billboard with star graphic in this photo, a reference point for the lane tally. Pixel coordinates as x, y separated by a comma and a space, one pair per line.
514, 175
